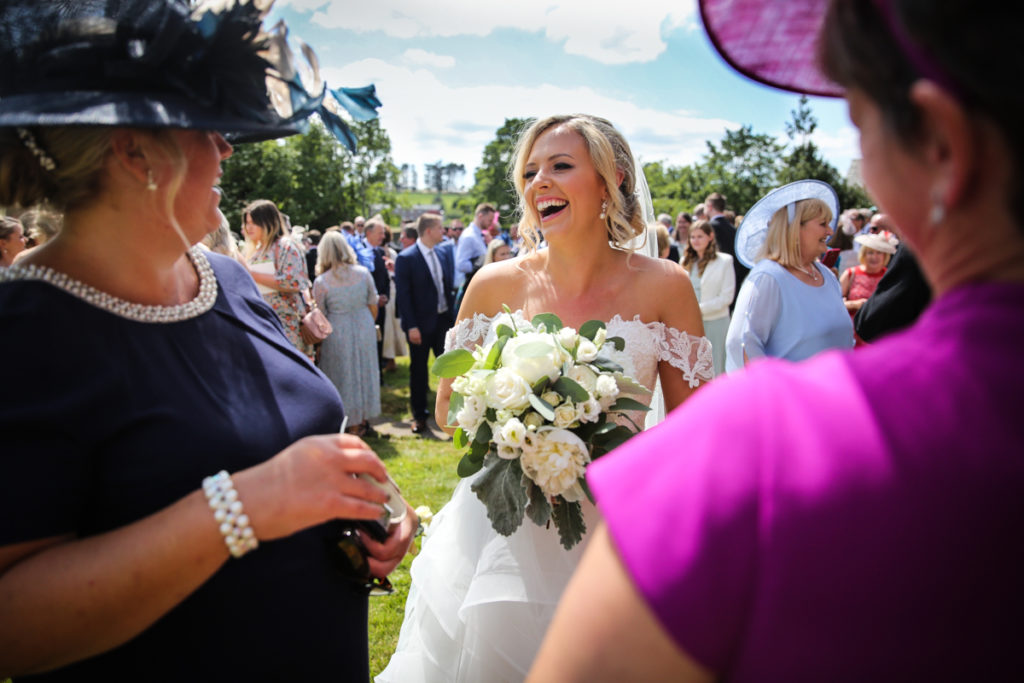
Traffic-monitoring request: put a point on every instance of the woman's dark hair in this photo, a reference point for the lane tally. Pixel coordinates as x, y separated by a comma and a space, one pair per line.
265, 214
974, 47
7, 226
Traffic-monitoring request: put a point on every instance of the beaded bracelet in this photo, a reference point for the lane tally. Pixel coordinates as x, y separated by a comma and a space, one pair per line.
227, 510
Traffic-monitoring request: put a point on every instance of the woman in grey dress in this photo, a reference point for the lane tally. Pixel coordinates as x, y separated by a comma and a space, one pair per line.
345, 293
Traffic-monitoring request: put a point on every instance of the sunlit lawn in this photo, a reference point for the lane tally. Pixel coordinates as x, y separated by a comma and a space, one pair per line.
425, 471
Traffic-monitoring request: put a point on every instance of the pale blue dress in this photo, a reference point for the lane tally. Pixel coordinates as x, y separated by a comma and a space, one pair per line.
349, 354
779, 315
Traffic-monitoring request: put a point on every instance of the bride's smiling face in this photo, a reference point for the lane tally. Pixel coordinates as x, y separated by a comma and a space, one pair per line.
562, 184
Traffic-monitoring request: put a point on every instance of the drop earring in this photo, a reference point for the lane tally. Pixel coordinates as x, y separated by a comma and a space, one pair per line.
150, 183
937, 213
604, 209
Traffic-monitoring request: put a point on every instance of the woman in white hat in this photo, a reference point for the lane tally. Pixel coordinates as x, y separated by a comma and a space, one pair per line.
860, 282
790, 306
123, 533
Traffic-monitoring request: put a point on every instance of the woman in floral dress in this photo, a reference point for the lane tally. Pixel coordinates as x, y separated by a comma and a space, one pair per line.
278, 267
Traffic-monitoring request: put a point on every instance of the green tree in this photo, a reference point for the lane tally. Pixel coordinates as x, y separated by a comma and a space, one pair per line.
492, 175
804, 160
743, 167
311, 177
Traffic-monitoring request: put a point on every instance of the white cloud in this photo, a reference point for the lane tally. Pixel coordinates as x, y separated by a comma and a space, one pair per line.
421, 58
425, 124
608, 32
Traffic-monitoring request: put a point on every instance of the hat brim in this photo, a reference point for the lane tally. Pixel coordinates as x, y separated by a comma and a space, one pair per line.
876, 242
133, 110
754, 228
771, 42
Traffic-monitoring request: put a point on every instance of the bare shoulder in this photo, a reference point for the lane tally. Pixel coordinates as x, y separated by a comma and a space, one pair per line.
667, 290
497, 285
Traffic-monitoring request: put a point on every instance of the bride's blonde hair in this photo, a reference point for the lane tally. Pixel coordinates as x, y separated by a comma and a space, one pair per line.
610, 154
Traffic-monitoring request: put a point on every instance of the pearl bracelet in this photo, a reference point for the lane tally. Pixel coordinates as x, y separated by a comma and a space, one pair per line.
227, 510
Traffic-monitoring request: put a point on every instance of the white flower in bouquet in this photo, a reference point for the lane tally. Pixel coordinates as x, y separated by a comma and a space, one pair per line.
589, 410
566, 415
552, 398
531, 367
556, 461
512, 433
507, 390
583, 376
587, 351
533, 420
471, 414
600, 337
568, 337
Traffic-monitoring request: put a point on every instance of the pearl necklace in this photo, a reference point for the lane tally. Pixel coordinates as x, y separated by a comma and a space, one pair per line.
144, 313
813, 275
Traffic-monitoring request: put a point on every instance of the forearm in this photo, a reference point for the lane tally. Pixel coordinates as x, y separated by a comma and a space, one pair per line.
78, 598
444, 396
269, 280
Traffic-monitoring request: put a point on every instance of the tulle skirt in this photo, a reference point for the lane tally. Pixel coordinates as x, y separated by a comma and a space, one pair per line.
480, 602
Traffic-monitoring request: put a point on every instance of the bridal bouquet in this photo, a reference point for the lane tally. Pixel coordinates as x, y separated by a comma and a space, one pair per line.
534, 407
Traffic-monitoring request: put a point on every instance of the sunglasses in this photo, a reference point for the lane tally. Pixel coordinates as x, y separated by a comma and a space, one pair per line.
349, 555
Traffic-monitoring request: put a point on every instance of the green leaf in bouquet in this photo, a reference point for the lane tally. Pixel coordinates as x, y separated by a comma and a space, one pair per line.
618, 342
455, 404
469, 465
501, 491
589, 430
534, 349
589, 329
628, 385
606, 365
626, 403
504, 330
546, 410
452, 364
613, 439
541, 385
570, 388
550, 321
538, 509
459, 438
586, 489
483, 434
495, 353
569, 522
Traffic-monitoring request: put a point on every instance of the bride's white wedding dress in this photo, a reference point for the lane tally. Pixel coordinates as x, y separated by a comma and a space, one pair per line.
480, 602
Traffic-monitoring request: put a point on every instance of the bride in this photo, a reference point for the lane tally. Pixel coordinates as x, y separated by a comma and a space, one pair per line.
480, 602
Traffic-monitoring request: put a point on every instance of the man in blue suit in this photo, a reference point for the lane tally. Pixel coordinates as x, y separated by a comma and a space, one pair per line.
424, 279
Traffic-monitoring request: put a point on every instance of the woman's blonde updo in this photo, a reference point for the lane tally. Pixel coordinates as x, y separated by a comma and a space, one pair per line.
610, 154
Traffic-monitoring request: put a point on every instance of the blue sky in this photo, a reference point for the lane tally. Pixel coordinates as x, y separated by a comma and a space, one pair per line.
450, 71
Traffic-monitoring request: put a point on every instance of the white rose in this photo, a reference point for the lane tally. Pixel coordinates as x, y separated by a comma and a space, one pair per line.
553, 398
424, 514
533, 420
589, 410
584, 376
567, 337
506, 452
536, 366
512, 433
506, 389
600, 337
606, 386
476, 382
565, 415
471, 413
556, 462
503, 416
460, 385
587, 351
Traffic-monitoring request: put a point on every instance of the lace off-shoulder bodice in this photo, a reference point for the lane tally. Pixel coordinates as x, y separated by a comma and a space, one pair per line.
646, 345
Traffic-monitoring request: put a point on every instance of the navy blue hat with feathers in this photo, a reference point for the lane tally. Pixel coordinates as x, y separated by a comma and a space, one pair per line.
164, 63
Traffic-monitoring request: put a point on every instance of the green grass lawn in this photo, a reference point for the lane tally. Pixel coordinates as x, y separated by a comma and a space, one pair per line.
425, 471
